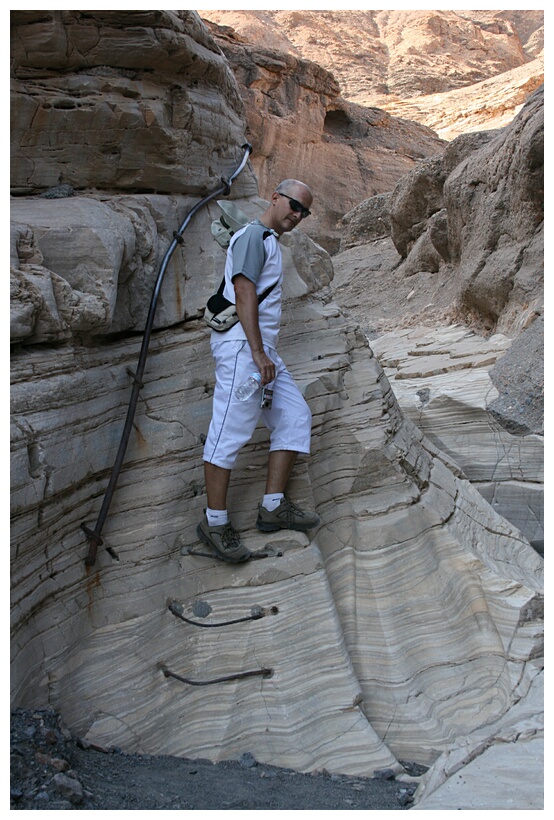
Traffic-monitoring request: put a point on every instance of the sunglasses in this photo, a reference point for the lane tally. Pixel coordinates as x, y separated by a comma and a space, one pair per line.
296, 206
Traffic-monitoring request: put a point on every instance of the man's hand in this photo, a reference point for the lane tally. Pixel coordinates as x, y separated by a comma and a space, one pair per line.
265, 366
246, 300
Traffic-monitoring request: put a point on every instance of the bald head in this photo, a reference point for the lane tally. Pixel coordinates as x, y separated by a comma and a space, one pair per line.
290, 203
291, 187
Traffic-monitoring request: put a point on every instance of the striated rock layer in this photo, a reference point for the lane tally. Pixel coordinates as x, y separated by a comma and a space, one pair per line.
406, 550
120, 101
441, 378
461, 238
409, 620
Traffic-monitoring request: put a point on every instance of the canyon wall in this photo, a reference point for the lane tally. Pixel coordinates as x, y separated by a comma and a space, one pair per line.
449, 287
301, 127
408, 622
454, 71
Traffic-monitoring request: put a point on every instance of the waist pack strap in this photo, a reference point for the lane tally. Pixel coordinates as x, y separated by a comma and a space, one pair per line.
261, 297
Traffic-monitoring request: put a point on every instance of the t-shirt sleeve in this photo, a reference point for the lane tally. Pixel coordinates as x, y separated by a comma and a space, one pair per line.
248, 255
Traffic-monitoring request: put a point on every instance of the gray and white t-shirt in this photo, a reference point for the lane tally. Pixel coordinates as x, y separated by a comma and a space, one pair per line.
260, 261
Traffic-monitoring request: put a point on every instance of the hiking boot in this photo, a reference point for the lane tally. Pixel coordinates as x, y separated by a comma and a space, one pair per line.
287, 516
225, 540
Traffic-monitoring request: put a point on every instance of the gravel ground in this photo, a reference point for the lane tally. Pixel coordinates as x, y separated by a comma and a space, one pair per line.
52, 770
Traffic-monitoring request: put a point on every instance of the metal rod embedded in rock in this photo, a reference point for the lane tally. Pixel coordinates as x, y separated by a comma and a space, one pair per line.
94, 536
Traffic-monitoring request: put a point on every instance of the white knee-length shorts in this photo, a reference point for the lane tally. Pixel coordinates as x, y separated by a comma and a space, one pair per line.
289, 419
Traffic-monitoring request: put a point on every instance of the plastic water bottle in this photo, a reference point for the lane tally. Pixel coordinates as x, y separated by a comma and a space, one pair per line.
249, 387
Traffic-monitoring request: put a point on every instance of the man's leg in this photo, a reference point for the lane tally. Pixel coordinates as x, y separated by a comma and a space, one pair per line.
217, 484
231, 426
279, 469
289, 420
276, 512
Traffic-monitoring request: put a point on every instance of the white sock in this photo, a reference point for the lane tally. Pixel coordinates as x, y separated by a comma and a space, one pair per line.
272, 501
216, 518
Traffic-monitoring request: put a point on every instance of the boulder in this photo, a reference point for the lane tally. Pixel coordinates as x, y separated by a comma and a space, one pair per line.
367, 222
495, 222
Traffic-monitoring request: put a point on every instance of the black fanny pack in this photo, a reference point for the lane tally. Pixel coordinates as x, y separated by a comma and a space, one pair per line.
221, 314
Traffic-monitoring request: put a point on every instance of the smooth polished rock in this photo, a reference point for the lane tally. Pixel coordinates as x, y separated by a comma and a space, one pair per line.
406, 549
409, 620
441, 378
502, 769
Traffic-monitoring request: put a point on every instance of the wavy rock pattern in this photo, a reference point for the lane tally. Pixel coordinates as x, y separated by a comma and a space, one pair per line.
480, 772
409, 621
406, 550
441, 380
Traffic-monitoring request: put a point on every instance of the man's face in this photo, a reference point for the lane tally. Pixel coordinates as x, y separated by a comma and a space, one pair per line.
287, 213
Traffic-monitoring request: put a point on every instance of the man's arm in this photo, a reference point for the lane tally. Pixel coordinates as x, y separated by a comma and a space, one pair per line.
247, 310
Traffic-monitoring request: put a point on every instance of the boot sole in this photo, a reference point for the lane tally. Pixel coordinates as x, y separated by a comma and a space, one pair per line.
263, 527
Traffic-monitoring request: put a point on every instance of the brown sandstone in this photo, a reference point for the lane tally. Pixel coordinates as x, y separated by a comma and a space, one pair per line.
301, 127
384, 56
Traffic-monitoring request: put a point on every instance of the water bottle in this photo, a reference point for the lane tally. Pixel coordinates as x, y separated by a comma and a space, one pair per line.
249, 387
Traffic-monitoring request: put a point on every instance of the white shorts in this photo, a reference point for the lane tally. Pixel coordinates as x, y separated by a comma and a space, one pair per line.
233, 422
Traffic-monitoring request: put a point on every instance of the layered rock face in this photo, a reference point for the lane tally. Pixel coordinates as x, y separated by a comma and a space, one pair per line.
443, 379
454, 71
301, 127
409, 620
86, 111
462, 237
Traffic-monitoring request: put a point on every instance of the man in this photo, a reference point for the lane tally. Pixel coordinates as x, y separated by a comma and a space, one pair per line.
253, 264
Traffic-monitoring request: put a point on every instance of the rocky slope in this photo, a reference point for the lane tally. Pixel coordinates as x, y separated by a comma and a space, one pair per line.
489, 104
410, 624
469, 223
486, 276
381, 58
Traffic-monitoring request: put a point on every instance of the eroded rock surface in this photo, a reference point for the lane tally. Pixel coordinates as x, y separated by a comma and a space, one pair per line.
120, 102
454, 71
406, 53
301, 127
400, 533
451, 243
409, 621
469, 224
443, 382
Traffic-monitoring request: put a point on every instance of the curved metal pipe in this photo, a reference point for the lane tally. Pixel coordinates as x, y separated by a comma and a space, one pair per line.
94, 535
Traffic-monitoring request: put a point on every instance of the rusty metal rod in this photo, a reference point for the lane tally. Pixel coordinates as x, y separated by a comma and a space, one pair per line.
256, 613
94, 536
264, 673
